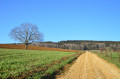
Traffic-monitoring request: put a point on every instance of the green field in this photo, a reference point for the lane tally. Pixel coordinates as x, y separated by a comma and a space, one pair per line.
16, 63
114, 59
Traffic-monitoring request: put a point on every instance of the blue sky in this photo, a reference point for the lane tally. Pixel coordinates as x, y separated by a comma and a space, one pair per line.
63, 19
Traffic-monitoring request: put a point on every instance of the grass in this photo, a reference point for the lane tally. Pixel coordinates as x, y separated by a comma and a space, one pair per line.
114, 59
15, 63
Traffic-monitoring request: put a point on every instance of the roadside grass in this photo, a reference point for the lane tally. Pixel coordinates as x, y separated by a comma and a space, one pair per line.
114, 59
51, 72
15, 63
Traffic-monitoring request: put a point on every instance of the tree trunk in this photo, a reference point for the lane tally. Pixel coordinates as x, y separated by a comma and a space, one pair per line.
26, 46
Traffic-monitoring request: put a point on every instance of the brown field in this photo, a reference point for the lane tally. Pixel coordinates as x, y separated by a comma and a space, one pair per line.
13, 46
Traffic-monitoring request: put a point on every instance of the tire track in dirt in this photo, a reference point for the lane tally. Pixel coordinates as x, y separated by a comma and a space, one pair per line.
90, 66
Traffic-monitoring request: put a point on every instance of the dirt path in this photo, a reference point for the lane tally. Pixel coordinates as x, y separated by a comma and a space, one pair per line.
90, 66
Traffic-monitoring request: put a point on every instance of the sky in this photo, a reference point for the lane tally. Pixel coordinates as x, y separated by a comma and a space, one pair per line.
63, 19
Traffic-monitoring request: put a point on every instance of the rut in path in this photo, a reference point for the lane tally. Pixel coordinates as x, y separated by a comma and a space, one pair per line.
90, 66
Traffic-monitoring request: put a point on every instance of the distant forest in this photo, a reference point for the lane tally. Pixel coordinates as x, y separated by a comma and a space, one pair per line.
81, 44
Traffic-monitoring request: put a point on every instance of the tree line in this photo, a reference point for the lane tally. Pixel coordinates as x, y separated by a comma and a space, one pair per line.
81, 45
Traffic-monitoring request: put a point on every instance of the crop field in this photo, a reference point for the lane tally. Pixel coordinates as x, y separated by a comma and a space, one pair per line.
16, 63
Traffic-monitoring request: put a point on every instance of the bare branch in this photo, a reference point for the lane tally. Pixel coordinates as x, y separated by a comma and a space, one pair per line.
26, 33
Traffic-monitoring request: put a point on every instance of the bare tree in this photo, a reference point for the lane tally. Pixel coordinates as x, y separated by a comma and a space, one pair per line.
26, 33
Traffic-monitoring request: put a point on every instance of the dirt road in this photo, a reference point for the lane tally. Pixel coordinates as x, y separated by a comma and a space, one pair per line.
90, 66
